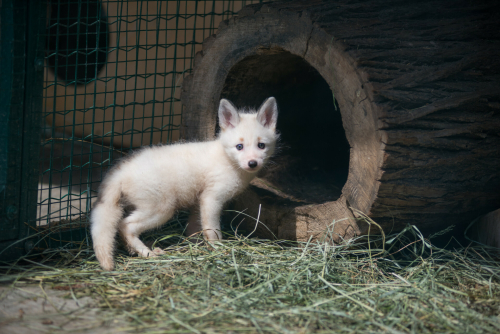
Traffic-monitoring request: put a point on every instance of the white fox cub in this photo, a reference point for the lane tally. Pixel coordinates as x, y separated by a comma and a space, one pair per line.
143, 191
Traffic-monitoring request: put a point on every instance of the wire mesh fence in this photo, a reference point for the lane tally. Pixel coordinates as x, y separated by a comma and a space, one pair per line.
112, 72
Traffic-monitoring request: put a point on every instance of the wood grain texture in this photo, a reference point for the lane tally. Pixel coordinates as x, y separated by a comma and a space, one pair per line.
418, 89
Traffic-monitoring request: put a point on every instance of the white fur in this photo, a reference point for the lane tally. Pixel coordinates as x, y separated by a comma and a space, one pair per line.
200, 176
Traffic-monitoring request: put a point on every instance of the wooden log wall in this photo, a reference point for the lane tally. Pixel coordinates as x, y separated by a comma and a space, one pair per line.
418, 94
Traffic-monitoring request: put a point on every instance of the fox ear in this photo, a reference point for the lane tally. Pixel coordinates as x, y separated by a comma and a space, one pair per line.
228, 115
268, 113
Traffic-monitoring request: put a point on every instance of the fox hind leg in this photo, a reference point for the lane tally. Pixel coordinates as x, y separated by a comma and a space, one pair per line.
138, 222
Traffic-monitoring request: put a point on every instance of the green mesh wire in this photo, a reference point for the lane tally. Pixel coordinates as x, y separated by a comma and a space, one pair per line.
113, 70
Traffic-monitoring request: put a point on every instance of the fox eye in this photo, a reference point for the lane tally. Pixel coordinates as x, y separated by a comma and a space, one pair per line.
239, 147
261, 145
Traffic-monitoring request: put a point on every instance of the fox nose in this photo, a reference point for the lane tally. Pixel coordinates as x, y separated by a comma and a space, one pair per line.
252, 163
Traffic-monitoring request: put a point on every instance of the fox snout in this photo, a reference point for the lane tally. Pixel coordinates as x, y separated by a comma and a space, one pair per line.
253, 165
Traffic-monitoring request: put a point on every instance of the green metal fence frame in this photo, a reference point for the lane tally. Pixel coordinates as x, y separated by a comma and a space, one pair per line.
20, 112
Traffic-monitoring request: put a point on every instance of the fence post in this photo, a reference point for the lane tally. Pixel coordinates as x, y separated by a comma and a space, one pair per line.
21, 55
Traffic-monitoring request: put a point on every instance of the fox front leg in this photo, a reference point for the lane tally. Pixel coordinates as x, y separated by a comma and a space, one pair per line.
210, 210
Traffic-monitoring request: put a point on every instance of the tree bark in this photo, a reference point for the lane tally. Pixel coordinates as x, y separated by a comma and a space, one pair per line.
418, 94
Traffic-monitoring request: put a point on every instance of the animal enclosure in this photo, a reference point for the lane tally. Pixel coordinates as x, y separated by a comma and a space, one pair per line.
390, 107
387, 108
83, 83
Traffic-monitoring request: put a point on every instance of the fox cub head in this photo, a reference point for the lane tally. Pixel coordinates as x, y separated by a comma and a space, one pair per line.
249, 138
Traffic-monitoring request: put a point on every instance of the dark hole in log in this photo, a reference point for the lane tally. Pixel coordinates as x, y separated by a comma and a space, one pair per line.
313, 158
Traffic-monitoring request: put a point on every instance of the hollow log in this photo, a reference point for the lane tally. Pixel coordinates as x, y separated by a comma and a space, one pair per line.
388, 108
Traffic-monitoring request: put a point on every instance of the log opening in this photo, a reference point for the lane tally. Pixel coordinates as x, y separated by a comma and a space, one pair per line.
312, 161
334, 156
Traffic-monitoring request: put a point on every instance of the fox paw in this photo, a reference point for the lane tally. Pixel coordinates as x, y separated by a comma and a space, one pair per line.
146, 252
159, 251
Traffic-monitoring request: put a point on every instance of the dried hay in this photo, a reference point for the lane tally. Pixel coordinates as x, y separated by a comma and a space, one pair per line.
399, 284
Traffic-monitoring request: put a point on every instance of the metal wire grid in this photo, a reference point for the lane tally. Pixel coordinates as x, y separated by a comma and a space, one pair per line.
112, 75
